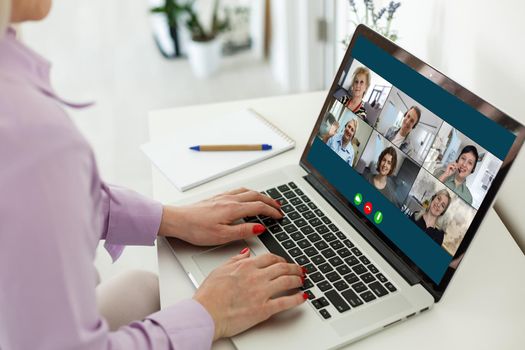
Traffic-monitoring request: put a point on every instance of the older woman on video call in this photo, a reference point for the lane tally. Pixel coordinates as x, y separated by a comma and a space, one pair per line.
55, 208
341, 143
428, 219
360, 84
386, 164
455, 174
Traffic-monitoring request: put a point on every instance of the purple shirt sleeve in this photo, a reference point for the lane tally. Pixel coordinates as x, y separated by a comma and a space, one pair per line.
54, 209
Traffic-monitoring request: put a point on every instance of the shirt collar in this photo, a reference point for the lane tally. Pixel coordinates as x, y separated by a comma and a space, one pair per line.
339, 140
19, 63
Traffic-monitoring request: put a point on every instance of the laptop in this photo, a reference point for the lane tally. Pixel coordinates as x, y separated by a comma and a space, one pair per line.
399, 171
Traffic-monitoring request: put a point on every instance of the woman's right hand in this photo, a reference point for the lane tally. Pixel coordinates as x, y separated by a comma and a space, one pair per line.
333, 129
450, 170
238, 295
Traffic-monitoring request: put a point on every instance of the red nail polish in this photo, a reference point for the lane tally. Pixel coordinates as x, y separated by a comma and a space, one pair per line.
302, 279
244, 250
278, 203
257, 229
305, 296
304, 270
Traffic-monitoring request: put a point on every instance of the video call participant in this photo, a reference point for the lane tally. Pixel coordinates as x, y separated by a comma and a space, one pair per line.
455, 174
428, 220
360, 84
386, 164
399, 136
341, 143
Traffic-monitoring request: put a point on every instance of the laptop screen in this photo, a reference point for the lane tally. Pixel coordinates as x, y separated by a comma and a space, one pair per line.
411, 158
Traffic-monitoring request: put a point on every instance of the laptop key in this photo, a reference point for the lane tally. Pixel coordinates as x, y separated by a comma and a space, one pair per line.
340, 234
378, 289
275, 229
323, 301
316, 277
293, 215
351, 278
304, 243
332, 227
310, 268
298, 191
335, 261
300, 222
359, 287
333, 276
343, 269
368, 278
307, 230
325, 268
314, 237
336, 245
322, 229
318, 260
296, 236
390, 287
337, 301
289, 194
341, 285
312, 205
272, 192
316, 304
374, 270
286, 208
281, 236
307, 284
273, 246
356, 251
283, 188
326, 315
326, 220
284, 221
318, 212
348, 243
302, 208
290, 228
295, 252
289, 244
308, 215
329, 237
305, 198
364, 260
295, 201
359, 269
351, 260
310, 251
352, 298
315, 222
302, 260
324, 286
381, 277
368, 296
328, 253
269, 221
343, 253
292, 185
321, 245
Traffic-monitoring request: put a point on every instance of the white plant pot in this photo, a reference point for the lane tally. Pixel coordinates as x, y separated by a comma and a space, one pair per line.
205, 57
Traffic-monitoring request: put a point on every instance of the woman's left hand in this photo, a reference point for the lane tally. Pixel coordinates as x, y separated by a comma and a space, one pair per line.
212, 221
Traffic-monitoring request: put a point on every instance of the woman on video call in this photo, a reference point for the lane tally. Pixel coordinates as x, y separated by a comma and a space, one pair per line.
386, 164
455, 174
428, 220
360, 84
341, 143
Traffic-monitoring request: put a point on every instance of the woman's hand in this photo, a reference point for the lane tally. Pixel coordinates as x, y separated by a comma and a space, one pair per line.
238, 295
212, 221
333, 129
450, 170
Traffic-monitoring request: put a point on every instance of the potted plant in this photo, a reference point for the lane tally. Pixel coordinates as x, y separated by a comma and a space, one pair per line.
204, 48
170, 11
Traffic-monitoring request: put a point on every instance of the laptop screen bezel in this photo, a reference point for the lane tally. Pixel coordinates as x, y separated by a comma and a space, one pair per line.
464, 95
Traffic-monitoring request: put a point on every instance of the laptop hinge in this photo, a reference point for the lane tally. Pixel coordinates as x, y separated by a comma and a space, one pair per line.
401, 267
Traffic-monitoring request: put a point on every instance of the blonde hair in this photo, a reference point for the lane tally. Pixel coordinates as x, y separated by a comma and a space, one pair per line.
353, 121
364, 71
439, 221
5, 16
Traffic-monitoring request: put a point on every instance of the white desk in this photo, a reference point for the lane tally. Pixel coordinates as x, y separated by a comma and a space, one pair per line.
484, 306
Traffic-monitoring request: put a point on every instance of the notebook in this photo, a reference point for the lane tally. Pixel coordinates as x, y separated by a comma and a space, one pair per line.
186, 168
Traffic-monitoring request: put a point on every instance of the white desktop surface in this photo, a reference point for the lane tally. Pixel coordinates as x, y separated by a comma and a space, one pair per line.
484, 305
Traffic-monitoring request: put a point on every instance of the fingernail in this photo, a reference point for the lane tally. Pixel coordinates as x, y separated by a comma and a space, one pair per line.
244, 250
304, 270
305, 296
278, 203
257, 229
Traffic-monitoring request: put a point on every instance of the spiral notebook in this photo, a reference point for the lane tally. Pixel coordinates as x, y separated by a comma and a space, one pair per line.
186, 168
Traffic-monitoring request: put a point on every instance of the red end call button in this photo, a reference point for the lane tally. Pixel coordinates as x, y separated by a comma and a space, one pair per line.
368, 208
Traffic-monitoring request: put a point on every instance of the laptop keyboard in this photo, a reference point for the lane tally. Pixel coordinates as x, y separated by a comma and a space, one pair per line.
338, 273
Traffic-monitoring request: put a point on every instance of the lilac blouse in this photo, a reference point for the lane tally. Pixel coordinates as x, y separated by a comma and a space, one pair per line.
54, 208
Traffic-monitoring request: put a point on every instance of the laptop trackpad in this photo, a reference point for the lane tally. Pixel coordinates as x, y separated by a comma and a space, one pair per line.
211, 259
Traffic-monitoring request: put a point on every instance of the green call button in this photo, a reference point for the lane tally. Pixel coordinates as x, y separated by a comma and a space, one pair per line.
378, 217
358, 198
